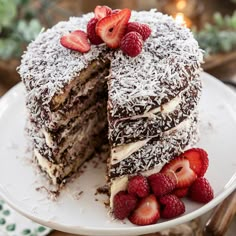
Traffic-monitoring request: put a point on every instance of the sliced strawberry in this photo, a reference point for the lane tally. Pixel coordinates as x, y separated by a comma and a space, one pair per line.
115, 11
147, 211
76, 40
111, 29
180, 166
198, 160
180, 192
102, 11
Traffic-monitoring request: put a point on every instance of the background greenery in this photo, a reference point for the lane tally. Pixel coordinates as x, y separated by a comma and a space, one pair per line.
220, 36
21, 21
18, 26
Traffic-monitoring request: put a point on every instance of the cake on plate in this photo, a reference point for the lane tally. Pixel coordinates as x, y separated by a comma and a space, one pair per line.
146, 105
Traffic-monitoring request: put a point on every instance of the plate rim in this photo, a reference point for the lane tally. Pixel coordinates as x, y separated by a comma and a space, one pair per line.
116, 230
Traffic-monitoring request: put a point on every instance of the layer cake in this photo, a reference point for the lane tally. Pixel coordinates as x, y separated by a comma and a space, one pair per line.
145, 107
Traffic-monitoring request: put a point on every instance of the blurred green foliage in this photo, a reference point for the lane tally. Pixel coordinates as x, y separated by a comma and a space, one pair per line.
18, 26
219, 36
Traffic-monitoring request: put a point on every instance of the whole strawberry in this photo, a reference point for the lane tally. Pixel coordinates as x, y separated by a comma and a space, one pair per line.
132, 44
171, 206
138, 186
161, 184
201, 191
143, 29
123, 204
93, 37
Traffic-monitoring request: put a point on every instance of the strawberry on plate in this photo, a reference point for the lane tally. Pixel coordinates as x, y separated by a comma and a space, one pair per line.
180, 192
181, 168
76, 40
112, 28
147, 211
198, 160
102, 11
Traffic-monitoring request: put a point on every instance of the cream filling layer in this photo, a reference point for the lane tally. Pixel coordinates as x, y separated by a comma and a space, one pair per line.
122, 152
164, 109
53, 170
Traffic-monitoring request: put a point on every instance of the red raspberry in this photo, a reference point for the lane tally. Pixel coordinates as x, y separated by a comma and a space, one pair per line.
180, 192
161, 184
171, 206
142, 29
132, 44
123, 204
93, 37
201, 191
138, 186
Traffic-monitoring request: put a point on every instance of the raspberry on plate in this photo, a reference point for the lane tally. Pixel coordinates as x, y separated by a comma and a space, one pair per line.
171, 206
138, 186
147, 211
124, 204
201, 191
161, 184
132, 44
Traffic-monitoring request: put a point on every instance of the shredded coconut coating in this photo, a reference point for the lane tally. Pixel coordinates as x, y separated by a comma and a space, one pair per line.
47, 67
169, 58
131, 130
158, 150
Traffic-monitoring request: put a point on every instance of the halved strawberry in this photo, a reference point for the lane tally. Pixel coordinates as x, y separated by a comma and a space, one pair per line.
111, 28
76, 40
115, 11
198, 160
147, 211
102, 11
180, 192
180, 166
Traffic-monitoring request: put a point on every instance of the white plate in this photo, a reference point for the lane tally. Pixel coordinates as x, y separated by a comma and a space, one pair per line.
18, 179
